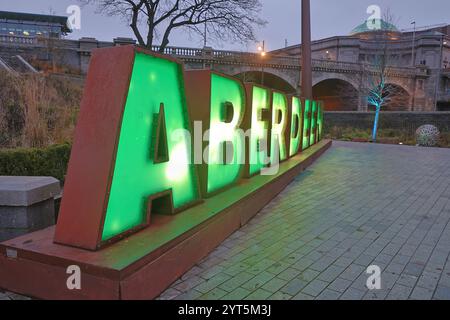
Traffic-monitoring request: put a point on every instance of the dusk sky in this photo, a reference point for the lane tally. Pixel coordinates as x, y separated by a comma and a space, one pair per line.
329, 18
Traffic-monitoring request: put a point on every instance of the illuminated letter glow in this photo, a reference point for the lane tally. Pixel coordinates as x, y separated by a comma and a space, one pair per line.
226, 94
296, 126
154, 82
259, 130
312, 136
306, 124
279, 126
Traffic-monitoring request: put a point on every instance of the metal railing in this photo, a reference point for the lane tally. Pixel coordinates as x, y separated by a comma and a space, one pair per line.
5, 66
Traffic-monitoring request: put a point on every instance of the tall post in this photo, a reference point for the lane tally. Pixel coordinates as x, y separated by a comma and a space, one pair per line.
306, 50
262, 64
439, 72
413, 60
205, 36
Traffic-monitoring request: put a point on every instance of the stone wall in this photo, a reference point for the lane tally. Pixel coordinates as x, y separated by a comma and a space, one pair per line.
406, 121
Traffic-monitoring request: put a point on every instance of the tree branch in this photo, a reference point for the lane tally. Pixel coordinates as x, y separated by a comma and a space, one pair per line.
232, 20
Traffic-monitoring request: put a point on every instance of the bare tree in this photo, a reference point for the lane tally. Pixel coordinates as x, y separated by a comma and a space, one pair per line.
379, 91
376, 77
377, 94
232, 20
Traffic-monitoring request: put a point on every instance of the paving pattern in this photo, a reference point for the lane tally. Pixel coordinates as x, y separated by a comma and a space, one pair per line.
359, 205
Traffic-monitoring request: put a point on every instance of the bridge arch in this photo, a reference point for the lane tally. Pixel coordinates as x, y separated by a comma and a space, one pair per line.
351, 78
337, 93
399, 98
401, 84
269, 79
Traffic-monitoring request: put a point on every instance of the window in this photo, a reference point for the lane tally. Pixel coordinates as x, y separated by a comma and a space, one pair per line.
3, 27
421, 84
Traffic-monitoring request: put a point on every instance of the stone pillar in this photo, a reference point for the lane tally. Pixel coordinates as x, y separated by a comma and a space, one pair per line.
363, 103
123, 41
85, 50
207, 54
306, 50
26, 204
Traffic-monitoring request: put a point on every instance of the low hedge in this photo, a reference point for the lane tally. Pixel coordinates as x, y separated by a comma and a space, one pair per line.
391, 136
51, 161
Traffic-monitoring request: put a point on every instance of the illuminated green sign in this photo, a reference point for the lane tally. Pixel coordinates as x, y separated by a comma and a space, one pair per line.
139, 150
312, 136
296, 126
306, 124
279, 127
320, 121
154, 92
225, 145
259, 129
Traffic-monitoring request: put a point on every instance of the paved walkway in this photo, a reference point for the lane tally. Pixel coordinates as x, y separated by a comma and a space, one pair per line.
359, 205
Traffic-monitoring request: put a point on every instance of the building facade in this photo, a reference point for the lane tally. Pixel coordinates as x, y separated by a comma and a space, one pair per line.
419, 61
33, 25
426, 51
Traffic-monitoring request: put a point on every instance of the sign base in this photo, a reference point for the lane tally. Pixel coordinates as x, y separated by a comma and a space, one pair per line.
145, 264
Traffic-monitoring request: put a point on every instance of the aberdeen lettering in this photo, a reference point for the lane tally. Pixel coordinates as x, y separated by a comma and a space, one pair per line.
171, 138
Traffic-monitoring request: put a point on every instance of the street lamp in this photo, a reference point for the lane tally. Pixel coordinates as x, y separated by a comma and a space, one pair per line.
438, 80
413, 45
262, 50
205, 35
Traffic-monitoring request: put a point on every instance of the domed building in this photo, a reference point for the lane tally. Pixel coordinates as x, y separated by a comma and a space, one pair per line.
419, 62
376, 28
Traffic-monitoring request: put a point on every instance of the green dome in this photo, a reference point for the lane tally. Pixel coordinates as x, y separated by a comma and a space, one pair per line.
364, 27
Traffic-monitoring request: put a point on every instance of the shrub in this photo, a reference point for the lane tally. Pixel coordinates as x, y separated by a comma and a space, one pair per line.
37, 110
50, 161
385, 135
445, 140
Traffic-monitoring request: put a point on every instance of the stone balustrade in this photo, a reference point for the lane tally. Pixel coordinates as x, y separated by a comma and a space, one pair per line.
16, 39
209, 56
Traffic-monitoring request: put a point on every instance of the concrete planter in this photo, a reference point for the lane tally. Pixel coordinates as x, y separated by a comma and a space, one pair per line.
26, 204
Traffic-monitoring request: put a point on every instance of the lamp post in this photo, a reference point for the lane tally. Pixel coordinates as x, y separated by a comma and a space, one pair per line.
205, 36
306, 73
262, 50
438, 80
413, 60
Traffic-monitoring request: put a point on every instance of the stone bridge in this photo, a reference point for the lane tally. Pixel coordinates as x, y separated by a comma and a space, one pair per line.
340, 84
